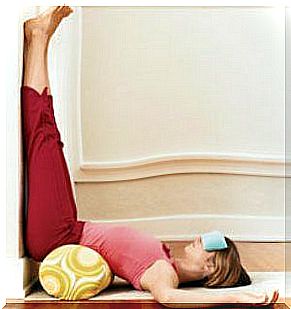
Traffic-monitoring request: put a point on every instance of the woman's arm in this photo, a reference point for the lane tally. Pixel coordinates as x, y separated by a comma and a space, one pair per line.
175, 298
162, 282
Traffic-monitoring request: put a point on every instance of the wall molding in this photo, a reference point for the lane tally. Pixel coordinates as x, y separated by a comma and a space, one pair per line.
183, 227
180, 163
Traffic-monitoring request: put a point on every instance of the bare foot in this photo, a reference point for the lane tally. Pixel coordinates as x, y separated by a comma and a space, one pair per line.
46, 23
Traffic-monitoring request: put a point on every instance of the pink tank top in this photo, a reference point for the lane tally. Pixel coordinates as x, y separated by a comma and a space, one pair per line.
128, 251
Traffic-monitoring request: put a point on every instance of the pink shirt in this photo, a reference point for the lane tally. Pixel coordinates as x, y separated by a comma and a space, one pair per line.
128, 251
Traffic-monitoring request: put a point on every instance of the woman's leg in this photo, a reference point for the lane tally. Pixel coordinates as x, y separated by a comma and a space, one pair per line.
51, 215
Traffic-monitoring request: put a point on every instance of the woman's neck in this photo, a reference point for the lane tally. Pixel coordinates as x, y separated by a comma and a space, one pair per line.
183, 273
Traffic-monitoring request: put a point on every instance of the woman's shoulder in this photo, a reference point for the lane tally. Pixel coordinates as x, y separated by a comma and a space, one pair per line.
160, 272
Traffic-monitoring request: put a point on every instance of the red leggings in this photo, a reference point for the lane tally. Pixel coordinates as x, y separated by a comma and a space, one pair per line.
51, 219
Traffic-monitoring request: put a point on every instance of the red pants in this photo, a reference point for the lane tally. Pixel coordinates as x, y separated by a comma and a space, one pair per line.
51, 210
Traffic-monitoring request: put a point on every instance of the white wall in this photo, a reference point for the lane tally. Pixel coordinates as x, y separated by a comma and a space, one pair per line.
160, 81
182, 91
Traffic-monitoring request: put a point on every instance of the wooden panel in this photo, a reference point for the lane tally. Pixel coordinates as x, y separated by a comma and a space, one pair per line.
262, 256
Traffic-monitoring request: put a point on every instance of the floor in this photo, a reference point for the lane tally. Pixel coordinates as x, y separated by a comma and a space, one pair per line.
123, 305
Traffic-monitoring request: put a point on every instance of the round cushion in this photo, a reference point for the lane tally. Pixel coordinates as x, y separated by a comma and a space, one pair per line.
74, 272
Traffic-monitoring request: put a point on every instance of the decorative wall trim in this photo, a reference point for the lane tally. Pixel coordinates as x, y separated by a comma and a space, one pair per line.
222, 163
183, 227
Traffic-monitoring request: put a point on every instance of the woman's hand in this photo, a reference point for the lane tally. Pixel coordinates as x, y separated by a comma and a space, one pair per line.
259, 298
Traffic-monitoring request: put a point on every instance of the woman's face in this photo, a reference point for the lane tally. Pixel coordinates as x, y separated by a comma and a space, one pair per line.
200, 263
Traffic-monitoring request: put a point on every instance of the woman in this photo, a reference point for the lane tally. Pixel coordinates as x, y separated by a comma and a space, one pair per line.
52, 216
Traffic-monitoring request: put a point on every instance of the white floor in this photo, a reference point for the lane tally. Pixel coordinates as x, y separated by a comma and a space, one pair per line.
122, 290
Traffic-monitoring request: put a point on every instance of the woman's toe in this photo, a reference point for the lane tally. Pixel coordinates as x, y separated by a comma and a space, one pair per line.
63, 11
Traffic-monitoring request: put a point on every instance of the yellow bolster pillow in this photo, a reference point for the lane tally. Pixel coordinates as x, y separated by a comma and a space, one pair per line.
74, 272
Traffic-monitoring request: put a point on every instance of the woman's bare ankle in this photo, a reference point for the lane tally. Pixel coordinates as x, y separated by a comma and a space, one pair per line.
37, 40
34, 32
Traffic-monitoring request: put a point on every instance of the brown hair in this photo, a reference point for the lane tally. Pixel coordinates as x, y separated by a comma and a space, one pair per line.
228, 269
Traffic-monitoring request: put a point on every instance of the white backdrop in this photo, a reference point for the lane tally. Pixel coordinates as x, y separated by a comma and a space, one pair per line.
159, 81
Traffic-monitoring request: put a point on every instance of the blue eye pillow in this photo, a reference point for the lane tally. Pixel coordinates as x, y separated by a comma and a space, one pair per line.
213, 241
